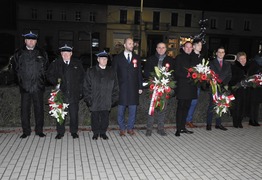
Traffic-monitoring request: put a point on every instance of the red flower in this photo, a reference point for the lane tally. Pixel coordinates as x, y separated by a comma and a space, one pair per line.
60, 106
167, 65
190, 70
203, 77
152, 86
194, 75
160, 93
167, 90
167, 96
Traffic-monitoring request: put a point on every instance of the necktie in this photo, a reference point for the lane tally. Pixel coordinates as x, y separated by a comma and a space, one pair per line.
128, 58
67, 62
221, 63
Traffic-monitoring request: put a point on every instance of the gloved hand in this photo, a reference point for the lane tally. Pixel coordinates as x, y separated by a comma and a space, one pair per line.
243, 83
114, 104
88, 103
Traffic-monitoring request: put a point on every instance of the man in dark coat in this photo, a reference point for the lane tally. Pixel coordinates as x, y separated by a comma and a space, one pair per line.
159, 59
71, 73
185, 90
30, 64
101, 92
223, 69
127, 64
255, 93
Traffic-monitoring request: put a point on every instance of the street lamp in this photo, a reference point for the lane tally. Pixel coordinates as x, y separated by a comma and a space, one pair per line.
140, 27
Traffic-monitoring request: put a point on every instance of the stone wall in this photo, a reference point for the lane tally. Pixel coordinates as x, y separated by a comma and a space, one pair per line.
10, 110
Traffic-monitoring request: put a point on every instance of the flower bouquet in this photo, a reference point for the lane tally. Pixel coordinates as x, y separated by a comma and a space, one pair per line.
202, 73
160, 87
255, 80
222, 99
57, 107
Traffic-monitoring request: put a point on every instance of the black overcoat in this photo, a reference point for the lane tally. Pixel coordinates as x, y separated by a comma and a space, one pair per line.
72, 77
129, 78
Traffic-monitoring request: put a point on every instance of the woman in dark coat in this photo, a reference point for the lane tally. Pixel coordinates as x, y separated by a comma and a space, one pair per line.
241, 102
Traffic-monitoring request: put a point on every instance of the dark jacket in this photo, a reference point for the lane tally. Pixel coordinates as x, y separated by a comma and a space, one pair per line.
72, 77
256, 68
242, 100
30, 67
224, 73
129, 78
185, 88
152, 61
100, 88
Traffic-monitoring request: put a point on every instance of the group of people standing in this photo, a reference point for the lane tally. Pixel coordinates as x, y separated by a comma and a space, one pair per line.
103, 87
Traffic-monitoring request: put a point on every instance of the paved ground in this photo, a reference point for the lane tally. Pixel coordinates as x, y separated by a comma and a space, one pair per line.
234, 154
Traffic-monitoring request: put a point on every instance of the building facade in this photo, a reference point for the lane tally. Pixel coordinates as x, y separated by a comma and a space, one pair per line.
90, 28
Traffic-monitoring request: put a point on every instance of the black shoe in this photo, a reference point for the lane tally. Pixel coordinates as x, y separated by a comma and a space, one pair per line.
235, 126
40, 134
148, 132
177, 133
161, 132
240, 125
59, 136
208, 128
24, 136
252, 123
74, 135
104, 136
256, 124
95, 137
186, 131
220, 127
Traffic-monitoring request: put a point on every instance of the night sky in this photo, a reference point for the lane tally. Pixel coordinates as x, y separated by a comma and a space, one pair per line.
7, 8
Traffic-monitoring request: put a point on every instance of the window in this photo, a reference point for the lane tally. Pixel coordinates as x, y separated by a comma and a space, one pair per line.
188, 19
123, 16
49, 14
213, 23
137, 17
156, 20
34, 14
174, 19
92, 17
95, 41
63, 15
228, 24
247, 25
78, 15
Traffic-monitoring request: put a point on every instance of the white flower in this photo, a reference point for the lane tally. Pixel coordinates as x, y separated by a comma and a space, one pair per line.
164, 81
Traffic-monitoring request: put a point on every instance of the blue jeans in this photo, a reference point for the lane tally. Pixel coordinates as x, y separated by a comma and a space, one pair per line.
131, 117
192, 107
210, 112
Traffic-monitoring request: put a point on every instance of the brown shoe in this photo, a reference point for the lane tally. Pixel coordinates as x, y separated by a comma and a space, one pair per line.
122, 133
190, 125
131, 132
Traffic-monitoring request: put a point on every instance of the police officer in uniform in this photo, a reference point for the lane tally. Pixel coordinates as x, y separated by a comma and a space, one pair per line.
70, 72
30, 64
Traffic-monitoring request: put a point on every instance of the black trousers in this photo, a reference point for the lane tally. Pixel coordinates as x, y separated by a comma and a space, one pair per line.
99, 121
38, 104
254, 112
183, 106
73, 114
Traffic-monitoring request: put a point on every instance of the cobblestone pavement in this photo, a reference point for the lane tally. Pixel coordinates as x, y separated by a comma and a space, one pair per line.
234, 154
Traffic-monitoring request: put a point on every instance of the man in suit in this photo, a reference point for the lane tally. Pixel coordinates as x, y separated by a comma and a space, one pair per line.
127, 64
223, 70
71, 73
159, 59
185, 90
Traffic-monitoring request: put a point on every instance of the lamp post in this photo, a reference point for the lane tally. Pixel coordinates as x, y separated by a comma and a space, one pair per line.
140, 27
